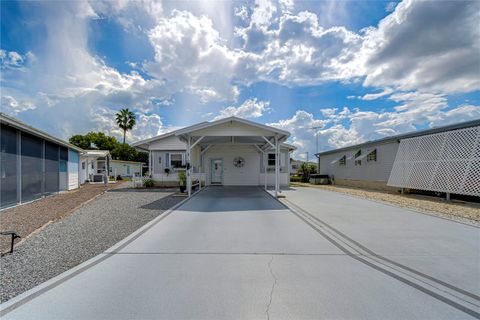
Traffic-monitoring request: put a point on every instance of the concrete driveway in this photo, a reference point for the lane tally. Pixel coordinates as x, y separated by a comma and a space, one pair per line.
237, 253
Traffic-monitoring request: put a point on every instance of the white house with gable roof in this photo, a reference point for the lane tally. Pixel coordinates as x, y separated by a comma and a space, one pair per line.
230, 152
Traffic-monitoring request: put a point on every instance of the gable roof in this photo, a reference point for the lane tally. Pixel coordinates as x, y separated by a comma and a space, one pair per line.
407, 135
17, 124
205, 125
162, 136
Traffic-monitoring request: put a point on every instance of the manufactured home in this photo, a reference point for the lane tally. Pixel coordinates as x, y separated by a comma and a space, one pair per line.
125, 169
95, 166
443, 159
34, 164
230, 152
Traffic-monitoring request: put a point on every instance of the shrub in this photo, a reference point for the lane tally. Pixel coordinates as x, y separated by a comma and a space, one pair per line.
148, 183
295, 179
182, 178
119, 177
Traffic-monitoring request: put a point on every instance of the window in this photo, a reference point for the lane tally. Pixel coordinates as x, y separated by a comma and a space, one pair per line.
83, 165
271, 160
372, 156
160, 159
342, 161
176, 160
357, 155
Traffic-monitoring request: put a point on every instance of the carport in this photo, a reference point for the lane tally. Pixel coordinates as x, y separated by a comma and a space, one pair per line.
235, 134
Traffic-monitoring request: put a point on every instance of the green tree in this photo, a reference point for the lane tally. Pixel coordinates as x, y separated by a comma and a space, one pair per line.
305, 170
123, 151
126, 121
80, 141
101, 141
119, 151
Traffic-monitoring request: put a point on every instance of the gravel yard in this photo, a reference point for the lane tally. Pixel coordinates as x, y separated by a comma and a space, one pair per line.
456, 210
86, 232
27, 218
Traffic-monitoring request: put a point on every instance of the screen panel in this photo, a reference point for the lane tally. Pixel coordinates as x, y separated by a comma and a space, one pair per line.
31, 163
8, 166
51, 168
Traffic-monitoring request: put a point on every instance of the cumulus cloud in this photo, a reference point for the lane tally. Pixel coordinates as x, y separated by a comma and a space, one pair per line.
417, 56
68, 85
12, 106
189, 53
352, 126
15, 60
251, 108
426, 46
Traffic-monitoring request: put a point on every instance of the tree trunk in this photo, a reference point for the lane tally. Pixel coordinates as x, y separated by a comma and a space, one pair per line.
124, 132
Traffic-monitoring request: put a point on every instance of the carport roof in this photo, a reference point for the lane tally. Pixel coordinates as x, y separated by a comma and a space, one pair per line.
196, 128
205, 125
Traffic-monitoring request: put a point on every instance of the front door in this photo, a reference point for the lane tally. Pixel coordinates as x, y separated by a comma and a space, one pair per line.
216, 171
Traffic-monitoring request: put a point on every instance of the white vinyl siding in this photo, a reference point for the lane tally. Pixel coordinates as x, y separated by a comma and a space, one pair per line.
378, 170
73, 169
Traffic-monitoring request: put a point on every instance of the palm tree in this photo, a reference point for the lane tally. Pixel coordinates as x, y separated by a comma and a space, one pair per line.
125, 120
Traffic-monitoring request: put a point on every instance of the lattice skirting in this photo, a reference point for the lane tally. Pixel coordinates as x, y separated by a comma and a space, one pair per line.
443, 162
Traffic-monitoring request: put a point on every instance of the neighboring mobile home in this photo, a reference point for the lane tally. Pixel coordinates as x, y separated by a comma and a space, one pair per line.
95, 165
230, 151
125, 169
444, 159
34, 164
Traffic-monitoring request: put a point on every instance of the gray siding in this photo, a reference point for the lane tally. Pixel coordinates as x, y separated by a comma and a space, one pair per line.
370, 171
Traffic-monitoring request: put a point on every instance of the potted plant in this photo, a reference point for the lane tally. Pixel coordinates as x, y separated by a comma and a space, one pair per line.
182, 178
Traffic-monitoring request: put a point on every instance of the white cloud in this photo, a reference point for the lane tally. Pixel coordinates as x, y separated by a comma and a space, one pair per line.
373, 96
189, 53
251, 108
349, 127
425, 46
416, 57
241, 12
12, 106
15, 60
302, 135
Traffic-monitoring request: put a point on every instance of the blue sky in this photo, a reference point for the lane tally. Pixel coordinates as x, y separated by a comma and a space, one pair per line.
358, 70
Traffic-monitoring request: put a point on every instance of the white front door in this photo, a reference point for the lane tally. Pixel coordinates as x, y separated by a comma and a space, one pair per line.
216, 171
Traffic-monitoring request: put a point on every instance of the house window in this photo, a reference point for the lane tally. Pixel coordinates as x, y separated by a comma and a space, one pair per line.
357, 155
342, 161
372, 156
83, 165
160, 159
176, 160
271, 159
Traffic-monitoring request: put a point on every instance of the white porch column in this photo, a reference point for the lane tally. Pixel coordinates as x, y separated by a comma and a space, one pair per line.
265, 163
189, 169
150, 163
277, 168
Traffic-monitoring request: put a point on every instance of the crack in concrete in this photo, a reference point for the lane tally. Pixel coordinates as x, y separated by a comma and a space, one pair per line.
273, 288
